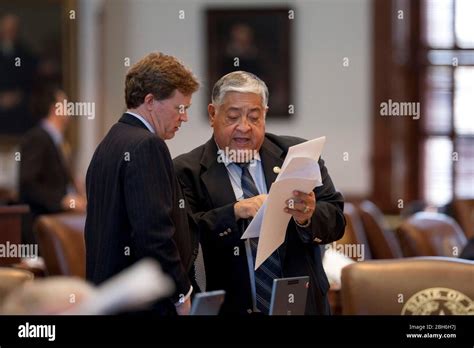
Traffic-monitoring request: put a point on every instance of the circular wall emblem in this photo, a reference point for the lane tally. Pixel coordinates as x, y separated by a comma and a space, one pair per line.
438, 301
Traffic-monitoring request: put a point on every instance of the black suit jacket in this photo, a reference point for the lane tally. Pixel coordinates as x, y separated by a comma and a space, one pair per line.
134, 209
207, 187
43, 174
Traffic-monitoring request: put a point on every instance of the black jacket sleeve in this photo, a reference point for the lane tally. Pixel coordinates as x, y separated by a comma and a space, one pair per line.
215, 221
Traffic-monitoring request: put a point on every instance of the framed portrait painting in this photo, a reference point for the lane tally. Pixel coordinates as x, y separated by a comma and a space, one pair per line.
253, 40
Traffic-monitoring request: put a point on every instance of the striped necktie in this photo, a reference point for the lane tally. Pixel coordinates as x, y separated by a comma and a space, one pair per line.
271, 268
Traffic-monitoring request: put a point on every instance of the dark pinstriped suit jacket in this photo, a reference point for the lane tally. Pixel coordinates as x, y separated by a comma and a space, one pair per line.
133, 204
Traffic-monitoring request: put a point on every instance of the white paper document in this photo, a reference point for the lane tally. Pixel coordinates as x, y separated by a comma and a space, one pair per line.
300, 171
136, 286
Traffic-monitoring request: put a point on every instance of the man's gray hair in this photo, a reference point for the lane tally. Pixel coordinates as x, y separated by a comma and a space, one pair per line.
239, 81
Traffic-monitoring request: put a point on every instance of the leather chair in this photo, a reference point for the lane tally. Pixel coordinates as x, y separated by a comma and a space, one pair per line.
11, 278
431, 234
421, 285
382, 240
61, 242
463, 210
354, 234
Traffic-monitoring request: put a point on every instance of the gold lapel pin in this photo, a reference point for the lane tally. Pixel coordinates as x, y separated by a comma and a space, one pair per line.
276, 169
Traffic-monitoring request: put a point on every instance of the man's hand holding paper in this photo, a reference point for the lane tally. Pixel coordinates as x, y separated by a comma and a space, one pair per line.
301, 206
300, 172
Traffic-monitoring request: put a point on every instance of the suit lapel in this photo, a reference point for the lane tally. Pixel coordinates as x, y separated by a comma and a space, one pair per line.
215, 177
271, 156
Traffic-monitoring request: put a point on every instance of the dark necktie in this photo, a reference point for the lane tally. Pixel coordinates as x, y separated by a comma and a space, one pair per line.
271, 268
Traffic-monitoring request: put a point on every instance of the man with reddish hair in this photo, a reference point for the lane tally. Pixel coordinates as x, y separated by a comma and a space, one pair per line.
135, 206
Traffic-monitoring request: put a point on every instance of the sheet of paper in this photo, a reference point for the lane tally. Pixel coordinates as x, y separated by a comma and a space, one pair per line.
309, 149
299, 168
253, 229
132, 288
300, 171
274, 225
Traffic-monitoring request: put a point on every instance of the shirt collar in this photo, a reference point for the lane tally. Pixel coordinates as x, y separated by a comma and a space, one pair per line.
145, 122
53, 132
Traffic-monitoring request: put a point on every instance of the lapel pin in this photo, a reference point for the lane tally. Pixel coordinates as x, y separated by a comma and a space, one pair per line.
276, 169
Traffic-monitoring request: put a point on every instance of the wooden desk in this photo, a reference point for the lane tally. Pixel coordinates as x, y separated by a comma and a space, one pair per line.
10, 228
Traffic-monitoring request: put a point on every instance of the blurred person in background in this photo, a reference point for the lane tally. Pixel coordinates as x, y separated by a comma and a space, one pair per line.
47, 184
